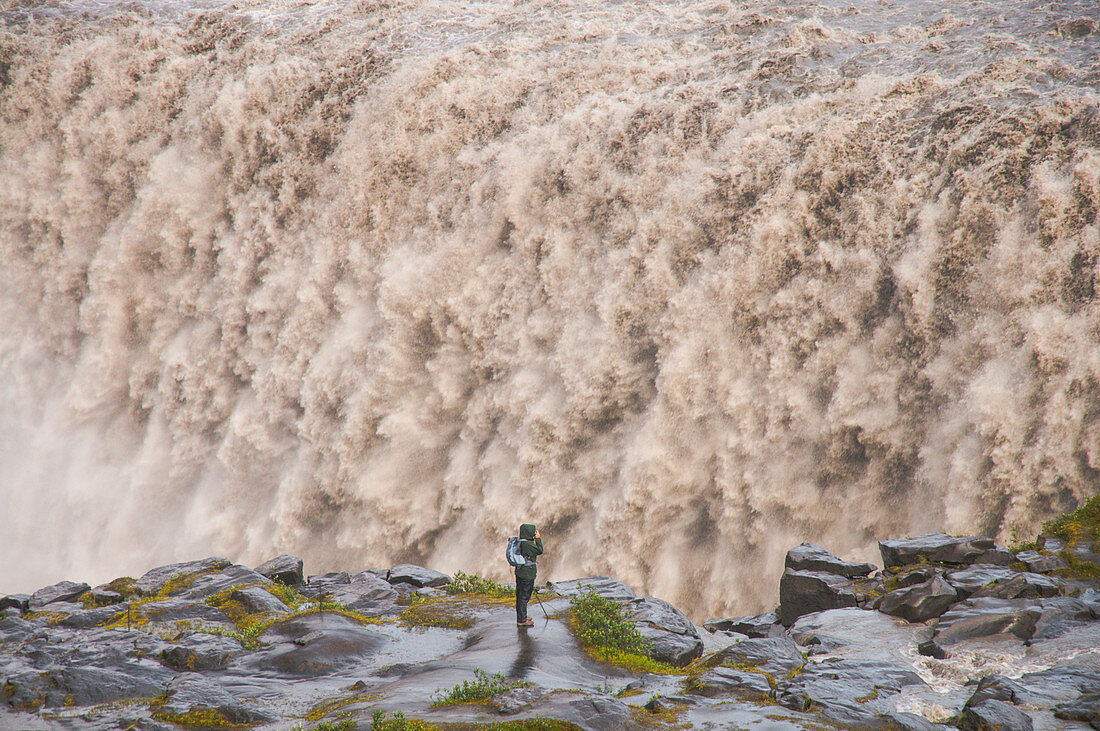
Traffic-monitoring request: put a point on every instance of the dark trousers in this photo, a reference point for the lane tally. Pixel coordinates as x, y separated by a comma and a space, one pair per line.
524, 587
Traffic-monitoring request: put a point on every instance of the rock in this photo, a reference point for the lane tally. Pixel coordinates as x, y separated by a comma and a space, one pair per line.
103, 597
80, 618
1058, 684
1000, 688
364, 592
418, 576
1021, 586
1059, 615
851, 692
599, 713
172, 611
84, 686
213, 582
1039, 562
910, 722
777, 656
515, 700
256, 599
803, 592
341, 642
761, 625
283, 569
200, 652
19, 601
808, 557
1085, 709
733, 680
61, 592
994, 716
154, 580
675, 640
929, 648
942, 548
919, 602
970, 580
11, 612
1082, 553
191, 693
325, 583
1049, 543
914, 576
601, 585
984, 617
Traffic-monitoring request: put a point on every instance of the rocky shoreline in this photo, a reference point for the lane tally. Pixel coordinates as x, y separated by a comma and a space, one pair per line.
950, 632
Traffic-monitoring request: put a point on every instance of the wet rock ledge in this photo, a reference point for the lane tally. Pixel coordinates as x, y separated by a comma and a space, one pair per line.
950, 632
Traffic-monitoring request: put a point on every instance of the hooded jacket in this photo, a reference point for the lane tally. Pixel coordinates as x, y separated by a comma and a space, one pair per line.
529, 547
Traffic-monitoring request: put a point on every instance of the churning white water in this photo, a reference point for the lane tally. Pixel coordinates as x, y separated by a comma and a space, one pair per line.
685, 283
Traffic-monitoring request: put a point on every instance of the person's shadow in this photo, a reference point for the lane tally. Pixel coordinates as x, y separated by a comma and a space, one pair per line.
525, 660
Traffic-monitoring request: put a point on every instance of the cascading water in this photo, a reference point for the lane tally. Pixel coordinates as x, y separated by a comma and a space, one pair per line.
685, 283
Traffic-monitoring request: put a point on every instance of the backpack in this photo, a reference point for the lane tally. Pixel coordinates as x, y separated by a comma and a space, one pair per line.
512, 553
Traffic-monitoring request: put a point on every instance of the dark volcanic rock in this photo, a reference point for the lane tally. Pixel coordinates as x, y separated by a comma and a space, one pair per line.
914, 576
336, 641
803, 592
985, 617
516, 699
911, 722
919, 602
942, 548
79, 618
325, 584
257, 599
808, 557
1085, 709
207, 584
674, 637
200, 651
19, 601
418, 576
1039, 562
761, 625
994, 716
601, 585
84, 686
1021, 586
61, 592
598, 713
777, 656
103, 597
191, 692
154, 580
283, 569
848, 691
365, 591
969, 580
732, 680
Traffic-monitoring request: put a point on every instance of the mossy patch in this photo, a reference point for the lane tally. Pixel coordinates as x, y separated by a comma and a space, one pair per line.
445, 613
483, 687
1080, 526
324, 708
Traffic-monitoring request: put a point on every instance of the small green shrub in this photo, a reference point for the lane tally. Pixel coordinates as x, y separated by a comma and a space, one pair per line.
604, 624
464, 583
482, 687
1082, 525
344, 724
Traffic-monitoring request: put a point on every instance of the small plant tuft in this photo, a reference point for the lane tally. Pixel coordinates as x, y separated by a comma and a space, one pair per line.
483, 687
463, 583
603, 624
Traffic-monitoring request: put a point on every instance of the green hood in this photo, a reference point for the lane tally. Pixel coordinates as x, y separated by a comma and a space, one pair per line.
527, 532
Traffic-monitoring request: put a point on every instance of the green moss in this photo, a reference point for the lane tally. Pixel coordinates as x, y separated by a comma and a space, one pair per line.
323, 709
198, 718
50, 618
448, 614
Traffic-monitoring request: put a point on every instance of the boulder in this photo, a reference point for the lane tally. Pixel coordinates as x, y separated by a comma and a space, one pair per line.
173, 610
338, 642
598, 713
986, 617
1040, 562
1021, 586
154, 580
1059, 615
777, 656
83, 686
1059, 684
283, 570
19, 601
257, 599
417, 576
603, 586
103, 597
365, 593
191, 693
942, 548
914, 576
79, 618
911, 722
1000, 688
62, 592
850, 692
1053, 544
675, 639
994, 716
808, 557
761, 625
514, 700
969, 580
803, 592
919, 602
1085, 709
213, 582
200, 652
741, 682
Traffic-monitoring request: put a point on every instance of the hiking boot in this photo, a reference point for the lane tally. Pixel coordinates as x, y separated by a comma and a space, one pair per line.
526, 623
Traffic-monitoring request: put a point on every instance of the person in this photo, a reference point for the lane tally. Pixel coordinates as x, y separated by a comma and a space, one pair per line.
530, 547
